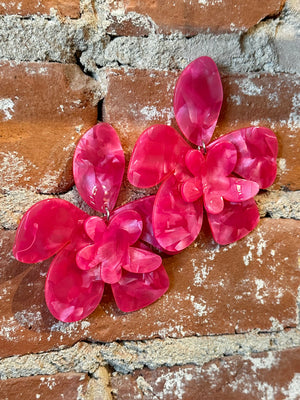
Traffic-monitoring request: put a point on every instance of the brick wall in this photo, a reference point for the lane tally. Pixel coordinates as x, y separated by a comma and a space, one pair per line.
228, 328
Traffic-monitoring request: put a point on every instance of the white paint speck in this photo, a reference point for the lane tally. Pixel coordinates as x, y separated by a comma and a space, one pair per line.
151, 113
276, 325
248, 257
281, 164
9, 328
43, 71
78, 129
294, 117
7, 107
12, 167
235, 99
200, 272
273, 98
272, 252
263, 362
260, 284
249, 88
173, 383
261, 245
293, 391
208, 2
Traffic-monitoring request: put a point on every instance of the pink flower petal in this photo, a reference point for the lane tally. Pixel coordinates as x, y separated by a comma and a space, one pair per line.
142, 261
94, 228
112, 254
240, 190
86, 258
213, 202
72, 294
130, 221
111, 274
46, 228
234, 222
144, 207
257, 149
158, 151
220, 161
109, 254
136, 291
176, 223
98, 167
195, 162
198, 100
192, 189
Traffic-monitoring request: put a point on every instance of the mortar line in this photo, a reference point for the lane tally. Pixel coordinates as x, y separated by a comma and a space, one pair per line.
127, 356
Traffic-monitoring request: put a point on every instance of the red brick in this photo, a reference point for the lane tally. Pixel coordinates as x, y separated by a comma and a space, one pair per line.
262, 376
44, 109
191, 17
47, 387
251, 284
137, 99
66, 8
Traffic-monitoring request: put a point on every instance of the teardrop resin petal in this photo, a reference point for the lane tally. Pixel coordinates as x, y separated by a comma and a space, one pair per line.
234, 222
158, 151
257, 149
176, 223
86, 258
220, 161
111, 274
98, 167
136, 291
95, 227
72, 294
142, 261
46, 228
192, 190
198, 100
213, 202
130, 221
112, 254
240, 190
195, 162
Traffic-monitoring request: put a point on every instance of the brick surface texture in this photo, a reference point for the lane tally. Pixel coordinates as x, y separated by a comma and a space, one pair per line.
66, 8
44, 109
261, 376
191, 16
228, 327
52, 387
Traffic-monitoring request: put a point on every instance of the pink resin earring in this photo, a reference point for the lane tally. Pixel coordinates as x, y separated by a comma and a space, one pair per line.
92, 250
223, 176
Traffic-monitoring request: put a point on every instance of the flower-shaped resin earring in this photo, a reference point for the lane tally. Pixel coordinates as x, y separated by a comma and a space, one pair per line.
90, 250
224, 176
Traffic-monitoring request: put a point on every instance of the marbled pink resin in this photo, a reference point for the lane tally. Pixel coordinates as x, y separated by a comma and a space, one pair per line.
98, 167
198, 100
223, 176
89, 250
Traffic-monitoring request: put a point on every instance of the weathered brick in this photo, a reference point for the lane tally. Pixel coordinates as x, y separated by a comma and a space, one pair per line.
137, 99
251, 284
191, 17
44, 109
47, 387
66, 8
260, 376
